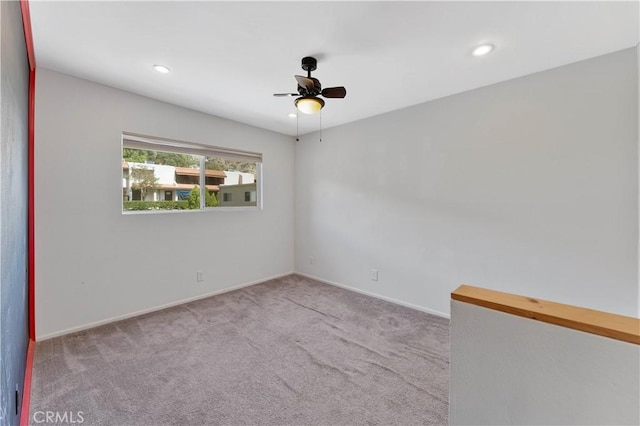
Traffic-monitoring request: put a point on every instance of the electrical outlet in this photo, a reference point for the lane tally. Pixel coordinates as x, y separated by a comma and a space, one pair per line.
374, 275
311, 259
199, 276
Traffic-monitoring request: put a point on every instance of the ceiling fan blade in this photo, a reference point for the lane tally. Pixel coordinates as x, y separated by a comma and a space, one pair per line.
334, 92
286, 94
305, 82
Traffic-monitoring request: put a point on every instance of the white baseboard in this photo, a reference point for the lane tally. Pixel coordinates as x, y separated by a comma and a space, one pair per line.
377, 296
155, 308
226, 290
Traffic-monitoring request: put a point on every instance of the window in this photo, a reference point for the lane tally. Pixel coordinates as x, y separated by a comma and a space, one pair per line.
161, 174
250, 196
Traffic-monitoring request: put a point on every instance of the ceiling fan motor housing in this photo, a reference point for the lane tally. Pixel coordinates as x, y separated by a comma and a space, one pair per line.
305, 91
310, 64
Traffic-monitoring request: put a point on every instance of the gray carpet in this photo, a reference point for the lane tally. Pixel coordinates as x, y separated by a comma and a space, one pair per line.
291, 351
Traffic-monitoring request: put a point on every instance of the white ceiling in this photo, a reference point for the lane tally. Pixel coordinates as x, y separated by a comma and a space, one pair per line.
228, 58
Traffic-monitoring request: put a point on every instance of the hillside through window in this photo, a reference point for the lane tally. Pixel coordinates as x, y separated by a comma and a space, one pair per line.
160, 175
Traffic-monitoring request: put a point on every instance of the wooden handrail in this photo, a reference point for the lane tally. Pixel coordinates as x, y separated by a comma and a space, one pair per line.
619, 327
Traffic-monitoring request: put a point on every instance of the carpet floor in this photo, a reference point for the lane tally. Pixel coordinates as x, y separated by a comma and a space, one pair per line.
290, 351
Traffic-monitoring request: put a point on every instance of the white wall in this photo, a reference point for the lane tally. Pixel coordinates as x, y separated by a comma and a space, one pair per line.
528, 186
507, 369
93, 263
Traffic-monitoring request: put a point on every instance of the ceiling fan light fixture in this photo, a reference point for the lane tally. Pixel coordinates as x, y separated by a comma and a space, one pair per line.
309, 104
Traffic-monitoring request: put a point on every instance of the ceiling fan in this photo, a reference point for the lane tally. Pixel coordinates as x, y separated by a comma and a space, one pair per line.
309, 88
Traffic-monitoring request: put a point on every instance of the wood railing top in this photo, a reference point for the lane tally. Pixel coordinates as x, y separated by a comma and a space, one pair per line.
615, 326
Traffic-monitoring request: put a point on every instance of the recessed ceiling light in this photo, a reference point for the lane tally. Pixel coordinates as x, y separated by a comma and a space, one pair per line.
161, 69
483, 49
292, 115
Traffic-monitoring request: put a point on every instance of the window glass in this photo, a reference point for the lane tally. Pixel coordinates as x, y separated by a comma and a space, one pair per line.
159, 175
236, 179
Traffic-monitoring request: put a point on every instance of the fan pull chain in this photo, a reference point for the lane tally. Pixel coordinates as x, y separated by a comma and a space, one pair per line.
297, 126
320, 125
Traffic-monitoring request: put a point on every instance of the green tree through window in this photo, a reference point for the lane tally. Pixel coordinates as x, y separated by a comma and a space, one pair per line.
144, 180
194, 199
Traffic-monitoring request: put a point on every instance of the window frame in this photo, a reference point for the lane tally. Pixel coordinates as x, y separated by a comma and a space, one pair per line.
153, 143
